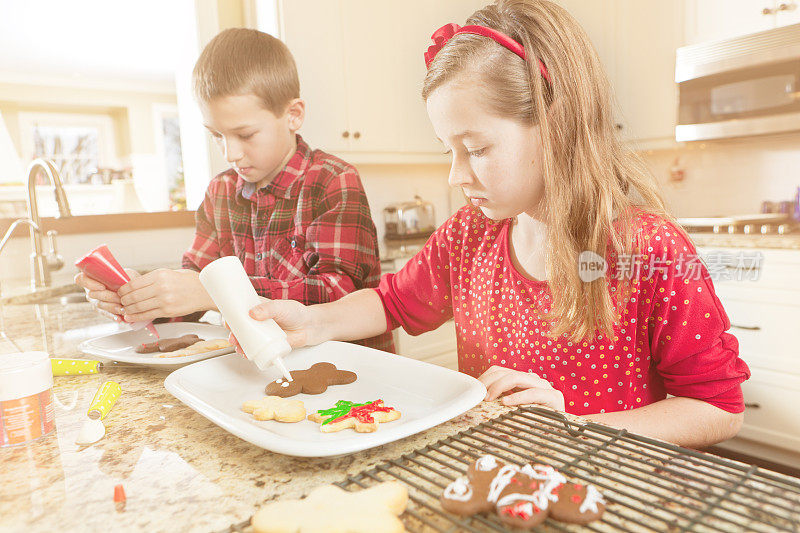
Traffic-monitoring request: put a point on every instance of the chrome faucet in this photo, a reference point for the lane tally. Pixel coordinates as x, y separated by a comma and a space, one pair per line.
43, 264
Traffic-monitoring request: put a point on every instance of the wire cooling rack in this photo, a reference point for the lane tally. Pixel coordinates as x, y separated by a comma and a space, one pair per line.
649, 485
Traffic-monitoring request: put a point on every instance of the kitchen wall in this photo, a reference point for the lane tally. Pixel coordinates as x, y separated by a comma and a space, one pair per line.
729, 177
387, 184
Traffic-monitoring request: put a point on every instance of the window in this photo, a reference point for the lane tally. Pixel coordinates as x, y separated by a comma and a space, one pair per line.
79, 144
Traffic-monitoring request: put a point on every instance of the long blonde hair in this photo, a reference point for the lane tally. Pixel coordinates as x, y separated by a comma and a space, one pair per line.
589, 175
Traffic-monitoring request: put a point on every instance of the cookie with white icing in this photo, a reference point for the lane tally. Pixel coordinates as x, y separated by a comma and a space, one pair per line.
578, 504
525, 495
467, 496
520, 503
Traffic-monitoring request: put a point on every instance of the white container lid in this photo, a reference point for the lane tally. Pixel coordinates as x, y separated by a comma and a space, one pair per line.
23, 374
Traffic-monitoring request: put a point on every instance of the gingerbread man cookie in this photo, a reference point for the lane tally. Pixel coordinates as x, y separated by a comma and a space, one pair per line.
276, 408
315, 380
329, 508
523, 496
362, 417
578, 504
467, 496
168, 345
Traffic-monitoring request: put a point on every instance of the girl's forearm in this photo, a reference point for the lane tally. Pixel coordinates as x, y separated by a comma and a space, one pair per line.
683, 421
359, 315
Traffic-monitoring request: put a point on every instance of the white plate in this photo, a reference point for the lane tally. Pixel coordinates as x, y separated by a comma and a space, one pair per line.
122, 346
425, 395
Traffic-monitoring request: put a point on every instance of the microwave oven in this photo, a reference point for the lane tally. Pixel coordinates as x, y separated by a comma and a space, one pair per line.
744, 86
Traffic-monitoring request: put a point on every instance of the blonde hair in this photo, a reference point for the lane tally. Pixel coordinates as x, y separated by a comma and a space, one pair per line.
242, 61
589, 174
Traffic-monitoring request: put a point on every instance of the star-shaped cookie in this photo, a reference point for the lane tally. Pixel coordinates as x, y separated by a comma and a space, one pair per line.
362, 417
276, 408
315, 380
329, 508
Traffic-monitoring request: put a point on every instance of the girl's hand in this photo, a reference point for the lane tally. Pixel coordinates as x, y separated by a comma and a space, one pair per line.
499, 380
104, 300
293, 318
163, 293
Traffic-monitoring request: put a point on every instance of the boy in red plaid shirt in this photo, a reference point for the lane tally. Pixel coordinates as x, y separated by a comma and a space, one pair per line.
297, 218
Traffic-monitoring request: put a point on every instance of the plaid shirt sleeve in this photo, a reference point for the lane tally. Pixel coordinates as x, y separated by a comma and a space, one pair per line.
341, 248
205, 247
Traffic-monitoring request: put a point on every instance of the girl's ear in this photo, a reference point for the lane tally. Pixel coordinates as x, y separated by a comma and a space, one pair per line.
296, 113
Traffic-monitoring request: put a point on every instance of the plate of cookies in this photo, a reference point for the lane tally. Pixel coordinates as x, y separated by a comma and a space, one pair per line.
342, 398
179, 344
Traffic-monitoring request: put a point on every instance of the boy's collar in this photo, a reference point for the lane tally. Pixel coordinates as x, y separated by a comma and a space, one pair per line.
286, 183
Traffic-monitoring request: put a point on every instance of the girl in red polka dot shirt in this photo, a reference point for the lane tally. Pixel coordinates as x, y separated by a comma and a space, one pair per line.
570, 284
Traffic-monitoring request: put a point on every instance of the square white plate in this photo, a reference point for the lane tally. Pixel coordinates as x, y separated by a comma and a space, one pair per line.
122, 346
425, 395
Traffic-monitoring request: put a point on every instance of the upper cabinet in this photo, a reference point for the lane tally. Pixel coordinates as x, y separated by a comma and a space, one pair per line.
712, 20
636, 42
361, 70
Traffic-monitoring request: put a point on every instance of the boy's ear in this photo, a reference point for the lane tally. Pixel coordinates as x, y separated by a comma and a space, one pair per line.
296, 113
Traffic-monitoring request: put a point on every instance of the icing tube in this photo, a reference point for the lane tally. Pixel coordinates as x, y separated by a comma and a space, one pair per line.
101, 265
262, 341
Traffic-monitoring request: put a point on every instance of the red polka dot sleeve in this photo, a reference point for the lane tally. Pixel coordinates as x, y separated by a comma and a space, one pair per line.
418, 296
691, 350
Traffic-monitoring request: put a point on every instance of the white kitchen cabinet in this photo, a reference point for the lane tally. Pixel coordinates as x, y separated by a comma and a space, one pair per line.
787, 12
437, 347
636, 42
313, 33
646, 37
361, 70
771, 409
763, 313
712, 20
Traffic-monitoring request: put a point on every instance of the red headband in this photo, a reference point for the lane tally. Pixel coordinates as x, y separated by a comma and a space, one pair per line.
446, 32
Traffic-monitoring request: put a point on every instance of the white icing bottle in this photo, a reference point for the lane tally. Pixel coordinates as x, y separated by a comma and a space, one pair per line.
263, 341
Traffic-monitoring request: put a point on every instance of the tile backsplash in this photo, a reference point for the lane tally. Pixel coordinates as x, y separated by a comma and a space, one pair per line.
728, 177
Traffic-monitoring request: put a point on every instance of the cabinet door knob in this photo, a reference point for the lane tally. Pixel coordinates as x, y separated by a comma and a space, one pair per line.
790, 6
357, 135
345, 134
753, 405
619, 126
768, 11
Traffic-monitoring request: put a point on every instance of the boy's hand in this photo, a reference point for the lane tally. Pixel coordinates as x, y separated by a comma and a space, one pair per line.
163, 293
104, 300
294, 318
499, 380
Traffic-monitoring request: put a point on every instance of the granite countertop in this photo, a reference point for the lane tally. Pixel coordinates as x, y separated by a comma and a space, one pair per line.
739, 240
179, 471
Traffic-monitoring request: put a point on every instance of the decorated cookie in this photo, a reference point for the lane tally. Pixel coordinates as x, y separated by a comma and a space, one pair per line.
362, 417
198, 348
520, 502
329, 508
168, 345
484, 469
578, 504
276, 408
468, 495
525, 495
315, 380
522, 496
